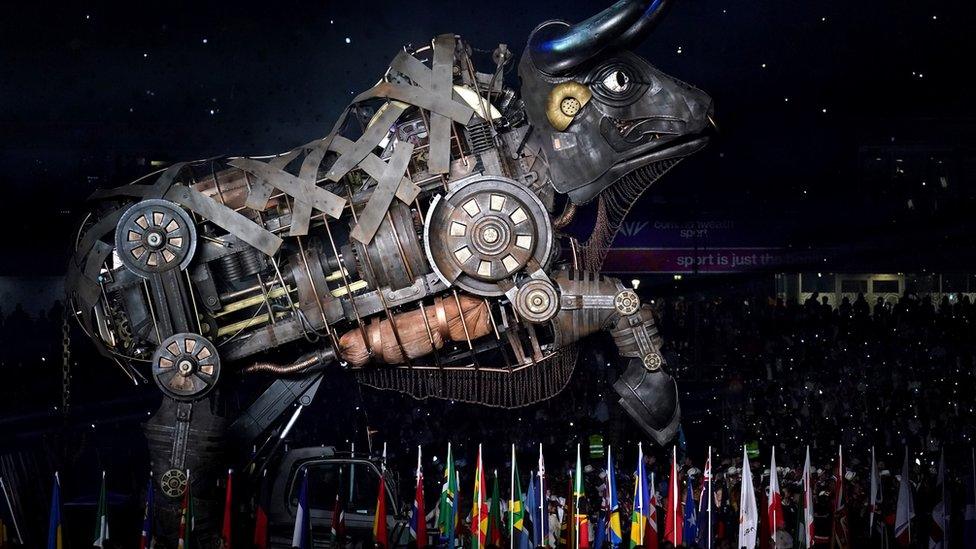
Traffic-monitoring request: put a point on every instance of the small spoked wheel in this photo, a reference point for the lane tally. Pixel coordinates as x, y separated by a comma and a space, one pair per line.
186, 366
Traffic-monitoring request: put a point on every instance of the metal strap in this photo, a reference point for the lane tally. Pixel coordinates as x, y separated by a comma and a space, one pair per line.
407, 191
366, 143
419, 97
301, 211
293, 186
225, 218
379, 202
156, 190
441, 86
261, 190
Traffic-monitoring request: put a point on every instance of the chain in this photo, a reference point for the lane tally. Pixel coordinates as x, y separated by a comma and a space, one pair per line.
66, 363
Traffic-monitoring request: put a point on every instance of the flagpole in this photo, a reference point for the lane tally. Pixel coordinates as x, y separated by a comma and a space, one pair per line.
710, 475
511, 505
579, 481
13, 516
640, 484
674, 483
543, 526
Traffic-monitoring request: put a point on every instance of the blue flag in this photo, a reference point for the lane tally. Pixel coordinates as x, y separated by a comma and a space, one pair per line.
300, 538
600, 536
690, 529
54, 536
146, 541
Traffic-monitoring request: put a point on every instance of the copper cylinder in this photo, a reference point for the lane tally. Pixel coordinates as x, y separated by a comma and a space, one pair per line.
442, 319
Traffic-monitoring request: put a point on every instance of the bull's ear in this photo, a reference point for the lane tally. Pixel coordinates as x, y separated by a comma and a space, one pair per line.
565, 101
557, 47
639, 30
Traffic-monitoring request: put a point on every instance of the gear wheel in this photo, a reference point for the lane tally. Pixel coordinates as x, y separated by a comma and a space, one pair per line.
186, 366
173, 483
485, 231
154, 236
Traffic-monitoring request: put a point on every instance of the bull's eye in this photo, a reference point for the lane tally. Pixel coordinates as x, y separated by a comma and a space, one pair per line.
617, 81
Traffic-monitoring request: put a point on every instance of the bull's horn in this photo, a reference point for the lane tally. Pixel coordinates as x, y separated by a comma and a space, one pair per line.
557, 47
639, 30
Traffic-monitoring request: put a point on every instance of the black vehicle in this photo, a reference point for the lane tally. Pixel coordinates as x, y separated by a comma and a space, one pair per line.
354, 479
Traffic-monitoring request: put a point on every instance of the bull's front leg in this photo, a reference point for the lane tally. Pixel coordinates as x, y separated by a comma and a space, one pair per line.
647, 391
589, 303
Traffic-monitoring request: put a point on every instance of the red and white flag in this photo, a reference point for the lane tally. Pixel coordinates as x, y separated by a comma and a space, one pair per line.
650, 536
905, 510
807, 531
748, 513
673, 520
839, 535
937, 530
774, 509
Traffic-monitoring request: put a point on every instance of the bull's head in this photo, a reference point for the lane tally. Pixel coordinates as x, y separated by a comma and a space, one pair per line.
601, 111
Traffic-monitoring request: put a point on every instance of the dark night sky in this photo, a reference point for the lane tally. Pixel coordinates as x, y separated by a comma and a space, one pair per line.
800, 87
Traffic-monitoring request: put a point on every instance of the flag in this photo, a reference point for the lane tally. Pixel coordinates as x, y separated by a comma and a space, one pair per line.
705, 504
774, 509
806, 532
748, 513
690, 528
54, 535
146, 539
226, 531
518, 532
905, 509
650, 534
418, 516
494, 533
672, 521
338, 526
874, 493
261, 514
600, 536
839, 526
479, 507
447, 506
9, 529
101, 517
187, 518
937, 530
543, 518
301, 533
613, 506
380, 536
969, 512
532, 512
640, 517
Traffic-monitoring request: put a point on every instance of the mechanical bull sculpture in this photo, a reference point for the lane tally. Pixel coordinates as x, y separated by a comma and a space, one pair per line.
420, 245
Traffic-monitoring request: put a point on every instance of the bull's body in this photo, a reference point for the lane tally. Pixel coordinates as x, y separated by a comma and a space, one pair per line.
418, 245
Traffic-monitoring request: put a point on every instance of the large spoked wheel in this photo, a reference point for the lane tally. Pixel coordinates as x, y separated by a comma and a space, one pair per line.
154, 236
186, 366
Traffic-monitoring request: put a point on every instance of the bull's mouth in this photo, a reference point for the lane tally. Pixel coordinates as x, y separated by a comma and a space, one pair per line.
654, 136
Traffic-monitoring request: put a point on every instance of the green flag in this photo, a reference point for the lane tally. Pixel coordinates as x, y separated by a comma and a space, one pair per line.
494, 534
447, 507
101, 517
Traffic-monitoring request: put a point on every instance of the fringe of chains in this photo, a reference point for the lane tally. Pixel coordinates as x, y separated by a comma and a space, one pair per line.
614, 204
489, 388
